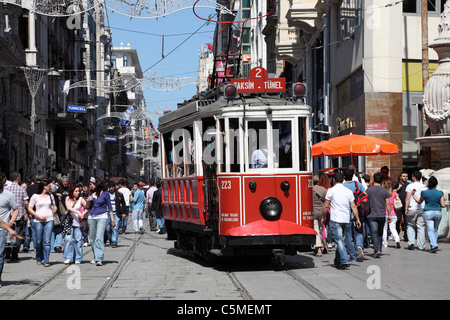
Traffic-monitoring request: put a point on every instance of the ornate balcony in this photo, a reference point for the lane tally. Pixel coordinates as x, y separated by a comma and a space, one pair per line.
302, 14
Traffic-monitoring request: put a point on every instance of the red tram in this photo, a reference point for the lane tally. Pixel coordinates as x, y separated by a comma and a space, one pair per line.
222, 192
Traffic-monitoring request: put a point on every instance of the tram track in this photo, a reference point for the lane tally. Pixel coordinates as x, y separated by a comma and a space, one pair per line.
102, 293
239, 286
305, 284
236, 279
313, 292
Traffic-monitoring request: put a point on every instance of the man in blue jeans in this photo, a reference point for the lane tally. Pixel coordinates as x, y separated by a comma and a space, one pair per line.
379, 204
339, 200
355, 236
7, 203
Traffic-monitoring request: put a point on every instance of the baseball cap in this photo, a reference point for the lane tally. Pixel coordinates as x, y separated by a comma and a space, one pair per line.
141, 184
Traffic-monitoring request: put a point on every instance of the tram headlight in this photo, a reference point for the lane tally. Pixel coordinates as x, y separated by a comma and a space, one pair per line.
298, 89
230, 91
271, 208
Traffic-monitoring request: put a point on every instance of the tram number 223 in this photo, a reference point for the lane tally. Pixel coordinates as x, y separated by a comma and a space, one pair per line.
226, 184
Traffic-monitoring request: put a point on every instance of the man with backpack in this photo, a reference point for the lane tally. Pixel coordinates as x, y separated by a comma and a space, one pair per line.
339, 200
355, 236
379, 202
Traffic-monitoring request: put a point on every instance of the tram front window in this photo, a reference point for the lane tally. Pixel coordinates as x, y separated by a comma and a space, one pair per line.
257, 144
282, 142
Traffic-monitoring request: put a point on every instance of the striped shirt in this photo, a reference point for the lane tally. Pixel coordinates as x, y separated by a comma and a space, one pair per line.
21, 196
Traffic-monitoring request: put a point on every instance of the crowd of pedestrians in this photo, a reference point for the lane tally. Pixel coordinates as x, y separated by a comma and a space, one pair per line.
64, 217
398, 206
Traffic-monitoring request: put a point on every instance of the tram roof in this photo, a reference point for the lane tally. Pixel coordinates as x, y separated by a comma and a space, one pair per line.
198, 109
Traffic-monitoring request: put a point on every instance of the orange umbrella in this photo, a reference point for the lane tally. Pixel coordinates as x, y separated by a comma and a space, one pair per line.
353, 145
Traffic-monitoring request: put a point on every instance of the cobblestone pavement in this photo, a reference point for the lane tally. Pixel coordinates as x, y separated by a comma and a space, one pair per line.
147, 267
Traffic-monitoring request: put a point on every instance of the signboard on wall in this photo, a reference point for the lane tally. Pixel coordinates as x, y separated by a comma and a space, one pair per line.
376, 127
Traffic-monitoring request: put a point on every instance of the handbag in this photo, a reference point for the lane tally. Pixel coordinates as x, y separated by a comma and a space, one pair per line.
398, 203
67, 218
56, 220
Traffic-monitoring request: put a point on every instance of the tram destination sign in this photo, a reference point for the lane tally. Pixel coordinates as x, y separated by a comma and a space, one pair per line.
258, 81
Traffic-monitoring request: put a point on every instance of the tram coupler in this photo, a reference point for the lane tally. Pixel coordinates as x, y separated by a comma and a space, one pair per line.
278, 257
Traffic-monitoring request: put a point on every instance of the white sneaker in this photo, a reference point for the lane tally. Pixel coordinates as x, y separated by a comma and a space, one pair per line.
99, 264
68, 261
92, 261
77, 262
85, 244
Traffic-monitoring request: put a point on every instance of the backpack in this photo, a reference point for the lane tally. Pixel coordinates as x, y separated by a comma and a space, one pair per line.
362, 202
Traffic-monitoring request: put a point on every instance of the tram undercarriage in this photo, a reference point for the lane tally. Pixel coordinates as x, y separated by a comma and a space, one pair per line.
209, 245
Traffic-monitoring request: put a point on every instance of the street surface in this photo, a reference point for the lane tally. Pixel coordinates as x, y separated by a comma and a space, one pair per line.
147, 267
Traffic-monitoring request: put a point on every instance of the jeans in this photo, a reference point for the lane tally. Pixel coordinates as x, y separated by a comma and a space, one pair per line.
97, 229
2, 251
43, 236
123, 222
73, 246
376, 226
159, 219
56, 239
339, 235
432, 220
137, 216
415, 221
27, 236
113, 234
84, 234
392, 226
354, 239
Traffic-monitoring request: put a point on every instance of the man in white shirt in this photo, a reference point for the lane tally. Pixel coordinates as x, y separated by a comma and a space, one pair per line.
339, 200
126, 195
414, 213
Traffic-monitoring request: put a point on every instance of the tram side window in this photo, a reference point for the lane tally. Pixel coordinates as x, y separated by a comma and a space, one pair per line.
223, 163
168, 159
302, 143
282, 143
189, 167
234, 145
257, 144
209, 141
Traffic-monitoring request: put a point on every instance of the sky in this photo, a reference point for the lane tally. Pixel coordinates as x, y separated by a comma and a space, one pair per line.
144, 35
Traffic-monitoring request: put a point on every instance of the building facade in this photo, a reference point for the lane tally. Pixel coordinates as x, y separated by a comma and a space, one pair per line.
44, 54
362, 61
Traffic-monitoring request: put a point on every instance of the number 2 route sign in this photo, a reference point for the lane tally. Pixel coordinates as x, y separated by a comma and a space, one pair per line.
258, 81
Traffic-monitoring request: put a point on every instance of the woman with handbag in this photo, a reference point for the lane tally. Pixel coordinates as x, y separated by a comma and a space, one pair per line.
73, 246
42, 224
392, 224
100, 207
434, 201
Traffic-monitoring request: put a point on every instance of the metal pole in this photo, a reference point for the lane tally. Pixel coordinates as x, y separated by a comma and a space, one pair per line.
425, 71
426, 162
